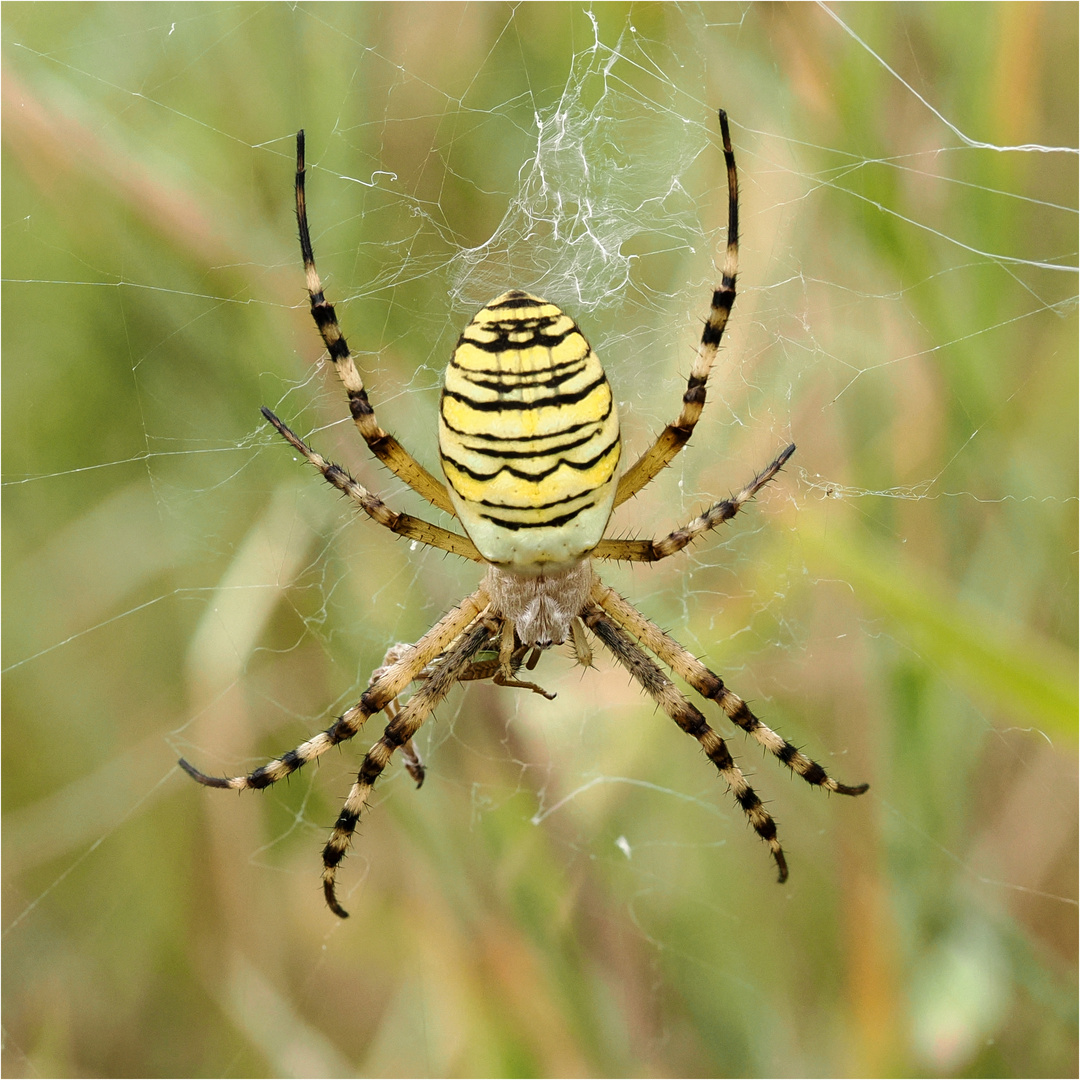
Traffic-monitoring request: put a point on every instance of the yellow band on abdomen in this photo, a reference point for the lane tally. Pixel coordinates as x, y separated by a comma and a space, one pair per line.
528, 435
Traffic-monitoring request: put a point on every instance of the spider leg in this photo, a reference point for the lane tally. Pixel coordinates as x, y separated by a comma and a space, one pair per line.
383, 445
654, 550
375, 698
709, 685
403, 524
582, 652
663, 691
398, 733
477, 670
675, 436
414, 763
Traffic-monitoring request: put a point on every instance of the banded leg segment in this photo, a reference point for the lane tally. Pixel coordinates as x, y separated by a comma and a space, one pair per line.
399, 732
675, 436
709, 685
375, 698
406, 525
654, 550
663, 691
382, 444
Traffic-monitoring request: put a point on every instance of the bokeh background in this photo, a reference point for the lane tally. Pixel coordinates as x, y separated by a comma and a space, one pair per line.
572, 892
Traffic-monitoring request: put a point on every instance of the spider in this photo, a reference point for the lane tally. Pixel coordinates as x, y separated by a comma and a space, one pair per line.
530, 447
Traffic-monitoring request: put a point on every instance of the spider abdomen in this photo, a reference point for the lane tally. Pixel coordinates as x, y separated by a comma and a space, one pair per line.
528, 435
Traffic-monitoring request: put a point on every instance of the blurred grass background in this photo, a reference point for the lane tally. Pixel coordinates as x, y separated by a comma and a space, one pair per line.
572, 893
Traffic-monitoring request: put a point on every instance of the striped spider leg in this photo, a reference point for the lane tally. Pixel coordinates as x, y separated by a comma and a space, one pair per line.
431, 660
710, 686
382, 444
717, 514
662, 690
530, 447
402, 666
675, 436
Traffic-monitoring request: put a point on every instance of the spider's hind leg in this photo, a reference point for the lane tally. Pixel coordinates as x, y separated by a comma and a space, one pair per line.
676, 435
381, 443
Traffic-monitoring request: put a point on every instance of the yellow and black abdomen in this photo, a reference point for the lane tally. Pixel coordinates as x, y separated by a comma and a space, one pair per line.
528, 435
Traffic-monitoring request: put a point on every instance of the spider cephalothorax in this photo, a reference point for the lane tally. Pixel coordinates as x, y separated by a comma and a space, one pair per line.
530, 447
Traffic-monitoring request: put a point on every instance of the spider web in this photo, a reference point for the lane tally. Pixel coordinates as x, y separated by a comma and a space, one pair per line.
901, 601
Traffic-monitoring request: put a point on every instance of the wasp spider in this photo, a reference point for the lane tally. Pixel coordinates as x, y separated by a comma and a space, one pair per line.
530, 448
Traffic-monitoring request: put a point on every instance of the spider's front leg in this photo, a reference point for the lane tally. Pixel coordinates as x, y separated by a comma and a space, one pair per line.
410, 756
374, 699
710, 686
399, 732
663, 691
